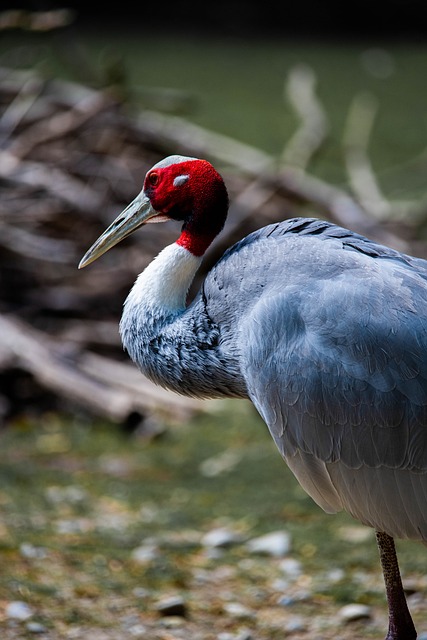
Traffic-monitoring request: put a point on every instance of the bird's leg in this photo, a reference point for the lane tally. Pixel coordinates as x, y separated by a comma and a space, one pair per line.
400, 625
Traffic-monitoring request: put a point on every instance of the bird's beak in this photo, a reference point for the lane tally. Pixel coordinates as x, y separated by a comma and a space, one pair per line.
137, 213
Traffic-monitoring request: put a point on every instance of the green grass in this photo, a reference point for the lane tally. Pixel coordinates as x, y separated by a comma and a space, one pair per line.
78, 497
59, 470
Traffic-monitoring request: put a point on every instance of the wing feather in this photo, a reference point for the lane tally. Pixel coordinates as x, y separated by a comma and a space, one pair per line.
334, 354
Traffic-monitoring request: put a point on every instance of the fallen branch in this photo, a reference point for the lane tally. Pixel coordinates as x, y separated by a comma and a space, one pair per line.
56, 182
35, 353
35, 246
109, 389
300, 90
357, 133
60, 125
147, 396
71, 159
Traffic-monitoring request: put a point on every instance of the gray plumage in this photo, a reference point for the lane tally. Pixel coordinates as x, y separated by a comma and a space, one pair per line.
326, 332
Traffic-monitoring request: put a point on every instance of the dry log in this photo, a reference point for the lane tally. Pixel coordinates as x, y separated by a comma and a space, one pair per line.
147, 395
19, 107
300, 90
60, 125
34, 352
71, 158
173, 132
63, 186
36, 247
108, 389
91, 332
357, 133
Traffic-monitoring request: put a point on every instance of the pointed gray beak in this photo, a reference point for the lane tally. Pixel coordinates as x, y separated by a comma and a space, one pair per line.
137, 213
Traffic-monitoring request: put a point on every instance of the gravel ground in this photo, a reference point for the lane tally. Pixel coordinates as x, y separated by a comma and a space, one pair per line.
106, 538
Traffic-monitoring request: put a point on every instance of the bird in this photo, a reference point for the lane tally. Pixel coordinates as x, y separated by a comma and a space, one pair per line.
323, 329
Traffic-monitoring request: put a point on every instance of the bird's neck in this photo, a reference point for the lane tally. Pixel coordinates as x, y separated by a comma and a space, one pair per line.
162, 287
176, 346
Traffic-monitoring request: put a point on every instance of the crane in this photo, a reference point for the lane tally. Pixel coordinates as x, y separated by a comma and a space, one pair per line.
324, 330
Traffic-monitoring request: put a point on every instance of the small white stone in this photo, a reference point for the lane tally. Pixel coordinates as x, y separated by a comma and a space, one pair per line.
222, 463
138, 631
237, 610
172, 606
354, 533
27, 550
221, 537
141, 592
173, 622
71, 494
296, 623
36, 627
19, 610
243, 634
335, 575
291, 567
354, 612
277, 544
145, 553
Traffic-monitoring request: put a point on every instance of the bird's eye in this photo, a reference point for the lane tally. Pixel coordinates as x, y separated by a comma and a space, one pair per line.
153, 178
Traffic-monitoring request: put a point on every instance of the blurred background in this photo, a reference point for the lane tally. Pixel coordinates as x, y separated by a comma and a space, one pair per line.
126, 511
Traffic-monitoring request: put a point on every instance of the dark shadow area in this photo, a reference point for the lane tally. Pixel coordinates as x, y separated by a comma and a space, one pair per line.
393, 19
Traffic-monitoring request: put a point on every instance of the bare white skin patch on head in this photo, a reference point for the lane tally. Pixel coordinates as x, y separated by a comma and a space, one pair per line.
180, 180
